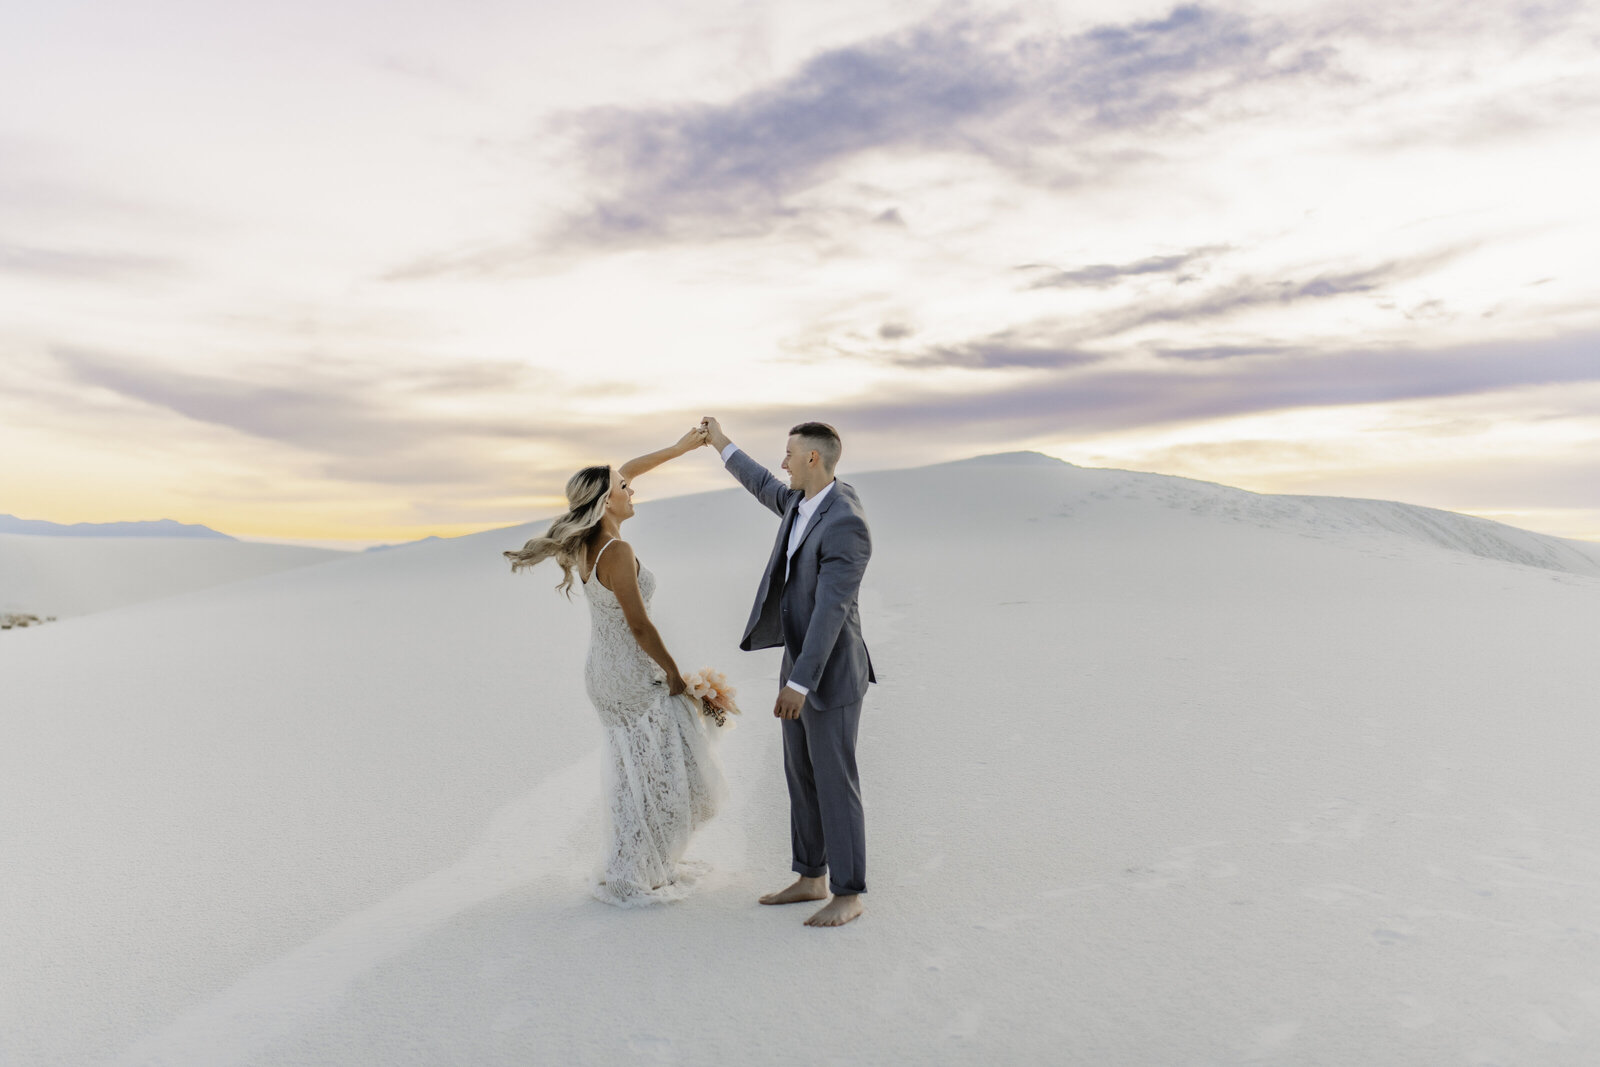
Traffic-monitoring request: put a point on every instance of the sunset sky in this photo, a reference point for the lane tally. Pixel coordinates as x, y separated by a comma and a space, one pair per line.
366, 271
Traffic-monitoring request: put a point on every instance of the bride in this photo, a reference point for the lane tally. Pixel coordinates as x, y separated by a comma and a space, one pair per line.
662, 779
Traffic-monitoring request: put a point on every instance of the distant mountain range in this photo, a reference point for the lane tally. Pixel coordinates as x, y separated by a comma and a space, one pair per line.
157, 528
403, 544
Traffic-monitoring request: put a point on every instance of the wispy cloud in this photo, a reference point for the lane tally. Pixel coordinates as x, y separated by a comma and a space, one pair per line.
368, 423
1210, 352
970, 86
1046, 108
474, 433
1104, 275
1245, 293
1005, 351
1082, 340
1107, 397
422, 71
56, 263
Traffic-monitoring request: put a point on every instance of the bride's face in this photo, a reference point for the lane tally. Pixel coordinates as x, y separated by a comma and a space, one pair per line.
619, 505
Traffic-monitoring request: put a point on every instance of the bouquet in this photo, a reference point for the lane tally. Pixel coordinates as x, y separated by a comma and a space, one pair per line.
710, 689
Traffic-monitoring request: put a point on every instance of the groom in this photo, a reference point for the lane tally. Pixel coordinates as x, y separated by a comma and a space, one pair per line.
807, 603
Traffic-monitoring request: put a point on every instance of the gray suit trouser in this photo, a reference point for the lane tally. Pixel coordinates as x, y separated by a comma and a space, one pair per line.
826, 826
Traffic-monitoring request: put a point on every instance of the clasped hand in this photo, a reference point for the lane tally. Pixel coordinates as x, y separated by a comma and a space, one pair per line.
714, 435
694, 439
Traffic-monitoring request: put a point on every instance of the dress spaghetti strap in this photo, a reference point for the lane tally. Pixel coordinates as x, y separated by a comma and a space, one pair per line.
596, 568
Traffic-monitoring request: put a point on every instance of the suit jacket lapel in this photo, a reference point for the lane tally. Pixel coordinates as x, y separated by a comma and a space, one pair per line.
816, 517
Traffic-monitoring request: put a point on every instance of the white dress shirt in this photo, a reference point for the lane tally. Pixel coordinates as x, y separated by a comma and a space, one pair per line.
806, 509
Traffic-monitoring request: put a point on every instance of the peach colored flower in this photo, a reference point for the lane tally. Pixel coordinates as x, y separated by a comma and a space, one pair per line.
711, 690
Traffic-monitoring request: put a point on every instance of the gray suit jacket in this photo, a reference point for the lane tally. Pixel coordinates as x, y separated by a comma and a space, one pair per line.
813, 614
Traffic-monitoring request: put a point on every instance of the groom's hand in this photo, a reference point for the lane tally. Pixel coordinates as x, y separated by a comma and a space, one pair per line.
790, 701
713, 428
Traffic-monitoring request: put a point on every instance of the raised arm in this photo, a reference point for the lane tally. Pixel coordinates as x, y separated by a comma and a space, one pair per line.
753, 476
619, 572
684, 445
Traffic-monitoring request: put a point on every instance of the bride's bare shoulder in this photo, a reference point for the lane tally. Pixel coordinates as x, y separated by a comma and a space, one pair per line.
616, 560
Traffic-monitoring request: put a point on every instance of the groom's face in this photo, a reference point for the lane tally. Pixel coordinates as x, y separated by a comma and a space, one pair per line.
795, 459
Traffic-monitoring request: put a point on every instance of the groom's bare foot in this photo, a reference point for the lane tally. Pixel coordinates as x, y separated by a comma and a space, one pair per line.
803, 889
837, 911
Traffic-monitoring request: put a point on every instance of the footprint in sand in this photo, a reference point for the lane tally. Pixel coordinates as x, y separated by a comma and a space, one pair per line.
1338, 823
1543, 1026
1269, 1041
1414, 1013
1178, 867
1340, 895
1396, 931
1071, 890
513, 1017
965, 1025
651, 1047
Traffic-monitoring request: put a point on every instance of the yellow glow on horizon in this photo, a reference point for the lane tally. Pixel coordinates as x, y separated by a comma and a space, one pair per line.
1436, 453
1576, 524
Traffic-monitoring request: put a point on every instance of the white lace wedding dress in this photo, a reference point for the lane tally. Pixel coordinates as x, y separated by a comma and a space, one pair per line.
663, 779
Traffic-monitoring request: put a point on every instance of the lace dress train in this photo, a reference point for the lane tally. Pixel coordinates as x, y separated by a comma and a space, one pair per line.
663, 780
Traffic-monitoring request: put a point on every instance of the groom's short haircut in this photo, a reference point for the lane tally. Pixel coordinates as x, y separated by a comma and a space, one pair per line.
823, 438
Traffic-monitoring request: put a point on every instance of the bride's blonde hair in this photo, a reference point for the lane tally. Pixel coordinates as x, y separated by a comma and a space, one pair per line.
586, 506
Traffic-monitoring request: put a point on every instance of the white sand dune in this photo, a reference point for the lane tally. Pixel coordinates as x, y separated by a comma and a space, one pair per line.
61, 576
1159, 773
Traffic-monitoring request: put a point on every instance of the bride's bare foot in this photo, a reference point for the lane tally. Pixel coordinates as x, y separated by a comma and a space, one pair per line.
837, 911
803, 889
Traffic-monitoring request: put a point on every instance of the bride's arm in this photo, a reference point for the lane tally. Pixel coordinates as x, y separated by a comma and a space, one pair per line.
685, 444
619, 572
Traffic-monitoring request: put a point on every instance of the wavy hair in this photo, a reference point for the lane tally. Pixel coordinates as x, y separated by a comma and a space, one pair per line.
586, 506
